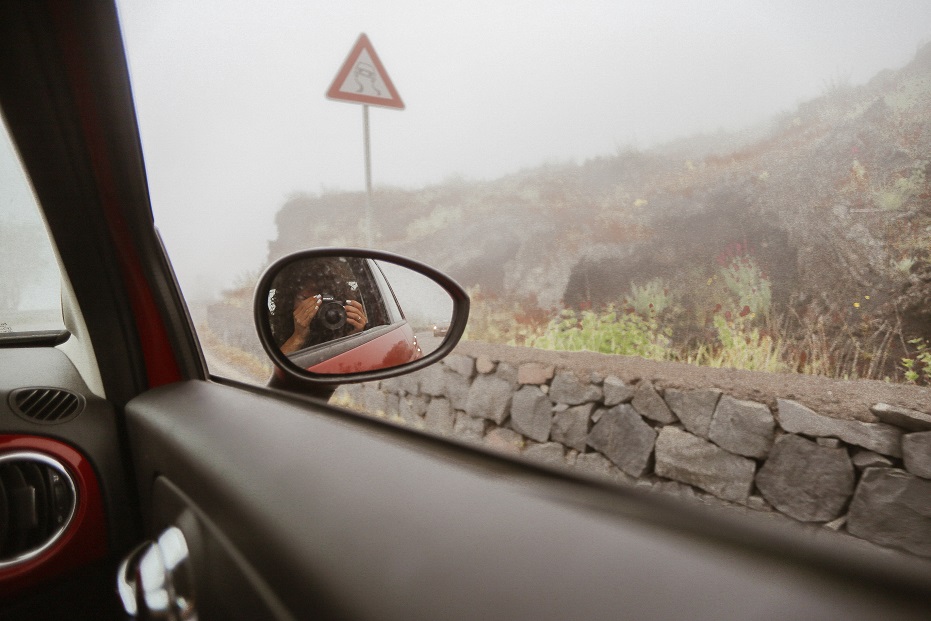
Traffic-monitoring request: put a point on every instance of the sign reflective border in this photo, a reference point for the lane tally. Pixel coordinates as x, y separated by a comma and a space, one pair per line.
363, 79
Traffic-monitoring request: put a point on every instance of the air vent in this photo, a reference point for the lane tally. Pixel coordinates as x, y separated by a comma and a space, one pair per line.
46, 405
37, 502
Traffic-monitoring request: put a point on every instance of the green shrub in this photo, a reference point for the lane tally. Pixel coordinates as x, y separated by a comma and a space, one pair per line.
650, 299
904, 265
607, 332
918, 368
747, 282
896, 195
741, 347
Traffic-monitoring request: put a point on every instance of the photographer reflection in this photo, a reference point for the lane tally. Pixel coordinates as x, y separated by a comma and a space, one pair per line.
312, 303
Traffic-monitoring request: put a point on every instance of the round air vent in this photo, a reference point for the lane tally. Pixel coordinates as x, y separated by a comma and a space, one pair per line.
46, 405
37, 502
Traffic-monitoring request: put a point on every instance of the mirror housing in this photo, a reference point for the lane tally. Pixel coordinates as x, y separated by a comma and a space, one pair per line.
332, 316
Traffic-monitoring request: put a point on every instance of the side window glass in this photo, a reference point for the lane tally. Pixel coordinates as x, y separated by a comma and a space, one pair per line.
30, 281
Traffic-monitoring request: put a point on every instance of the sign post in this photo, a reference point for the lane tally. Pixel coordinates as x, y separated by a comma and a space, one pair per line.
362, 79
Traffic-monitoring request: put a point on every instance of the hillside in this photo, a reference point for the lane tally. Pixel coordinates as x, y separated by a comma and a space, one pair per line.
829, 209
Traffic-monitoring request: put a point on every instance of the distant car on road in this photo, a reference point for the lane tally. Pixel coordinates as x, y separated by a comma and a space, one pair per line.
440, 328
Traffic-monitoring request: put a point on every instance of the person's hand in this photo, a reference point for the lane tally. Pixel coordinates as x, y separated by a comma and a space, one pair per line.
304, 313
355, 316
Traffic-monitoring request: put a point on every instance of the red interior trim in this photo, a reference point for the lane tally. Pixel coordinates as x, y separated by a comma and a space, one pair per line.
84, 542
161, 364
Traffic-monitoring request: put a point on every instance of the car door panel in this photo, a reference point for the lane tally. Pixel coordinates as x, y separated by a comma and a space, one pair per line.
227, 585
330, 514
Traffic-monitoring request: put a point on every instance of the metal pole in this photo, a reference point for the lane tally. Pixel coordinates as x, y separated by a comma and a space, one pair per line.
369, 216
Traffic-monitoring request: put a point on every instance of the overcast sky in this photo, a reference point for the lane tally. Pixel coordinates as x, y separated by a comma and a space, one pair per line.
233, 116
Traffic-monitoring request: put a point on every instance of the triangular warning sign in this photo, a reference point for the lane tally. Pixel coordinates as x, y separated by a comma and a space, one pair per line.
363, 79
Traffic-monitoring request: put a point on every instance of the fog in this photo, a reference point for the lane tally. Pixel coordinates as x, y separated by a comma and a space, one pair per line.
422, 300
29, 277
233, 117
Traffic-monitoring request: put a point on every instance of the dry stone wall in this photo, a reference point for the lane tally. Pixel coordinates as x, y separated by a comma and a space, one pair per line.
872, 479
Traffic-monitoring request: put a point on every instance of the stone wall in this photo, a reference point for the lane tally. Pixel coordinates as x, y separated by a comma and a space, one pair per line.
870, 478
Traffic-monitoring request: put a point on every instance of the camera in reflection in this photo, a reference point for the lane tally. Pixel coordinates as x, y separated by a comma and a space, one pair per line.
331, 315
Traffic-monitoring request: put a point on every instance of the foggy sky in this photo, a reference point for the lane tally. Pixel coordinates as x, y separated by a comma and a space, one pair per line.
234, 120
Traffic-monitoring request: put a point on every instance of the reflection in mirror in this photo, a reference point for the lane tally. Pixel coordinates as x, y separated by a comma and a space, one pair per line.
336, 315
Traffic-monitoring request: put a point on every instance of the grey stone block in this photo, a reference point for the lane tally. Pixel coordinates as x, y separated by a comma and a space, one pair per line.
837, 524
863, 458
463, 365
743, 427
694, 408
685, 457
440, 417
489, 397
532, 413
345, 393
913, 420
892, 508
507, 373
433, 381
534, 373
484, 365
403, 384
675, 489
409, 384
594, 463
571, 425
758, 503
916, 451
880, 437
650, 405
624, 438
806, 481
504, 440
392, 405
567, 388
457, 389
469, 428
374, 401
596, 414
392, 384
412, 410
551, 453
616, 391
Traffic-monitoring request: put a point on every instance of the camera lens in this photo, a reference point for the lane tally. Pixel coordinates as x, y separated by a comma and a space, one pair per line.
332, 315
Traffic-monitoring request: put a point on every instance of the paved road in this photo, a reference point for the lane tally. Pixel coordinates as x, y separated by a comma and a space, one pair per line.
428, 342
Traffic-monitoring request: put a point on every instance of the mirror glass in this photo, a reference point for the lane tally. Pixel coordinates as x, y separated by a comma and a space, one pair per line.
336, 315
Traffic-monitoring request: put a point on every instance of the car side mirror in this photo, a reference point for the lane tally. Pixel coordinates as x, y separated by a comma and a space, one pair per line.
337, 315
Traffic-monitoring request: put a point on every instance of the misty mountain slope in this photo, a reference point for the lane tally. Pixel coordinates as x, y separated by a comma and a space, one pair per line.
833, 203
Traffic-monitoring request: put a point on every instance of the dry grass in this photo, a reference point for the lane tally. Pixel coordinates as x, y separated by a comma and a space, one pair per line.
250, 366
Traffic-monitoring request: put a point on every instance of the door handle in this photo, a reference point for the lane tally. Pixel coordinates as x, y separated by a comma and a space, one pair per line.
154, 581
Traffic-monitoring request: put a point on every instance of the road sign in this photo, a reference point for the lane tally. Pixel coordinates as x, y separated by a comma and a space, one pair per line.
363, 79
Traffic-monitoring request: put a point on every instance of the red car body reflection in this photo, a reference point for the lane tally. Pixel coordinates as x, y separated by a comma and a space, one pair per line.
397, 347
